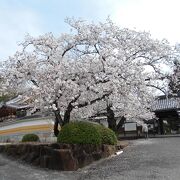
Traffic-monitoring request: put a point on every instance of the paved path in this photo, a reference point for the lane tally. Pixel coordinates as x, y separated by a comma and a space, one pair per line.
152, 159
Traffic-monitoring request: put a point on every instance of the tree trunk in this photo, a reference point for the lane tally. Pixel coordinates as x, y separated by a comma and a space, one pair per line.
121, 122
58, 120
56, 130
67, 114
111, 119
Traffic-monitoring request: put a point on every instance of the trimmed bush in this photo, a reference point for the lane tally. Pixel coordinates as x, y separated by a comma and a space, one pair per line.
79, 133
108, 136
30, 138
86, 133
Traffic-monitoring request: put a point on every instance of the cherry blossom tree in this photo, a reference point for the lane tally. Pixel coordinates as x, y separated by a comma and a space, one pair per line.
126, 57
96, 66
56, 79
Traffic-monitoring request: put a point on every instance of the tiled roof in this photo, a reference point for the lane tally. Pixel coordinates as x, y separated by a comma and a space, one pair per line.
166, 104
19, 102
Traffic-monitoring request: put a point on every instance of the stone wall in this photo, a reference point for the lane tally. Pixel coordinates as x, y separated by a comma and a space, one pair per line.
58, 156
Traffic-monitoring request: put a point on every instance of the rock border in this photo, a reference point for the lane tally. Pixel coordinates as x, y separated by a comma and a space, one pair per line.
64, 157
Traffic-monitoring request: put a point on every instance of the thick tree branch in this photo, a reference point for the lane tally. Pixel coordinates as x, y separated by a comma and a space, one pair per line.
94, 100
150, 85
63, 54
69, 109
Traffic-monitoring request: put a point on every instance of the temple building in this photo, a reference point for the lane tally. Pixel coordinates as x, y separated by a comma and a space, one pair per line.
167, 110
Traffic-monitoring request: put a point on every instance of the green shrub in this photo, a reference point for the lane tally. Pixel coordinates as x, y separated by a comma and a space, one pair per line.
79, 133
86, 133
30, 138
108, 136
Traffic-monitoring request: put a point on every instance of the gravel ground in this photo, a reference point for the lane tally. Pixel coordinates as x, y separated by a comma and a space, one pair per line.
157, 158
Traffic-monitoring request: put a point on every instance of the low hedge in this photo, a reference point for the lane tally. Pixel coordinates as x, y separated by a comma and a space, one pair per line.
108, 136
79, 133
86, 133
30, 138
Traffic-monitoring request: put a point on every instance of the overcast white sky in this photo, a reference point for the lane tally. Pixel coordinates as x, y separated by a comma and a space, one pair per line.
18, 17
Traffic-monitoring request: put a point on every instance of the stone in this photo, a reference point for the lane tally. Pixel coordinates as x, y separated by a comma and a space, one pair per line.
97, 155
11, 151
55, 146
36, 162
45, 150
24, 148
84, 158
55, 161
30, 157
63, 159
66, 157
65, 146
24, 156
108, 150
69, 163
44, 161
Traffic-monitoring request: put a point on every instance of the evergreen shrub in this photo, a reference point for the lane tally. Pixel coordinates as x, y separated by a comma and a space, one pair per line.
107, 135
79, 133
30, 138
86, 133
